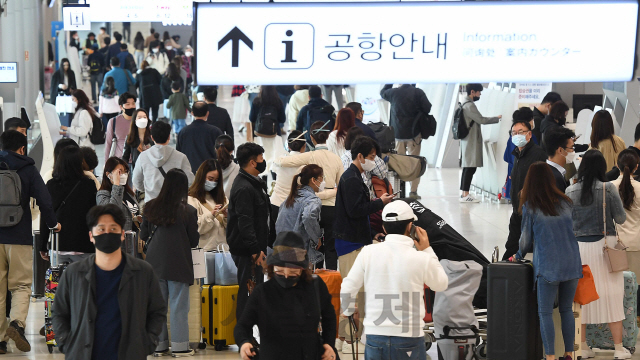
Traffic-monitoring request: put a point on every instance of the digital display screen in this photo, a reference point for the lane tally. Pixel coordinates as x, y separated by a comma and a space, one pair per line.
428, 42
76, 17
171, 12
8, 72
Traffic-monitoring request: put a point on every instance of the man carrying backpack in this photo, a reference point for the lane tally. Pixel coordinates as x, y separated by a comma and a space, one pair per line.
96, 64
407, 103
316, 110
18, 176
471, 145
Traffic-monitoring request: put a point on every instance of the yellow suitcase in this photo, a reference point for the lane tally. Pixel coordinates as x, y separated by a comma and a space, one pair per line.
219, 315
195, 317
559, 343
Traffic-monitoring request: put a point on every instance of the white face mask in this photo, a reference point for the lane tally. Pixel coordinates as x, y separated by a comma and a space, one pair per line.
155, 50
188, 53
142, 123
168, 47
123, 178
368, 165
322, 185
570, 157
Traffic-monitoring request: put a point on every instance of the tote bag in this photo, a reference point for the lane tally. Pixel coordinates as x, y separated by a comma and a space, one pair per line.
226, 272
586, 290
199, 265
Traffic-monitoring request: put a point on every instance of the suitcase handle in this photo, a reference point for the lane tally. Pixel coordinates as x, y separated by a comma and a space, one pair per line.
448, 329
55, 247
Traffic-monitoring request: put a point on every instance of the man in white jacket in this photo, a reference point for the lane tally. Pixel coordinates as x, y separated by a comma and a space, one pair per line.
394, 275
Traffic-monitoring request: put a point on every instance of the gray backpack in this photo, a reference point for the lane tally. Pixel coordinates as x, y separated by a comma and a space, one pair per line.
10, 196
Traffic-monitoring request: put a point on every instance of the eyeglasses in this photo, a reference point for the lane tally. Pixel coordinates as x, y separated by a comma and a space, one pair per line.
521, 132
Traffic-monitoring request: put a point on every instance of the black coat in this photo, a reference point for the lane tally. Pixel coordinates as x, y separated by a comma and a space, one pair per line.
142, 308
523, 160
614, 173
537, 119
549, 123
406, 103
256, 107
132, 153
288, 316
165, 86
219, 117
353, 207
250, 229
57, 79
74, 235
169, 251
198, 142
561, 182
32, 187
148, 84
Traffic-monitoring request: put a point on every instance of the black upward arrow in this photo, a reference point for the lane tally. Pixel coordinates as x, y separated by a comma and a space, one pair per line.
235, 35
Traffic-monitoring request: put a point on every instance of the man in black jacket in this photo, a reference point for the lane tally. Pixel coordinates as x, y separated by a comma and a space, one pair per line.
198, 140
109, 303
558, 143
16, 241
218, 117
250, 226
351, 227
614, 173
407, 102
316, 110
526, 153
542, 110
356, 107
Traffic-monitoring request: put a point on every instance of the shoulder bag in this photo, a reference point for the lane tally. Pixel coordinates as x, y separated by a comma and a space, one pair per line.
426, 123
586, 291
615, 257
145, 247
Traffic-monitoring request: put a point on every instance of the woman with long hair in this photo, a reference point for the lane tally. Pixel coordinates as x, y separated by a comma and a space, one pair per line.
63, 81
108, 106
604, 139
587, 196
82, 123
629, 190
301, 210
138, 45
267, 102
224, 152
148, 82
346, 120
73, 194
115, 190
547, 230
139, 138
170, 228
172, 74
206, 195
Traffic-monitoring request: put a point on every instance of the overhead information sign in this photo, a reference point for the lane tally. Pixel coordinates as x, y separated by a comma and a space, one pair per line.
76, 17
8, 72
169, 12
409, 42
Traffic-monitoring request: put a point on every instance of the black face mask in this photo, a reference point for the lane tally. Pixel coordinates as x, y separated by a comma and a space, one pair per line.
476, 98
129, 112
285, 282
261, 166
108, 243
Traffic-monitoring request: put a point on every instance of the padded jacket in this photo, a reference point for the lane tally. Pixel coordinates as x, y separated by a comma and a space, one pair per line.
530, 154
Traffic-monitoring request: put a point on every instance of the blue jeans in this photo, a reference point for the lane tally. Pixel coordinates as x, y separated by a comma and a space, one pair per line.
395, 348
177, 294
178, 124
95, 79
547, 291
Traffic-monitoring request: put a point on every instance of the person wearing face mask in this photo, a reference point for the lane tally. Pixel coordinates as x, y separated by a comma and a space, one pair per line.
169, 50
82, 123
351, 226
288, 308
542, 110
206, 195
114, 190
139, 138
524, 113
63, 81
187, 59
110, 304
526, 153
284, 175
157, 59
301, 211
250, 226
559, 145
148, 82
75, 40
471, 146
332, 169
170, 228
230, 168
101, 36
119, 127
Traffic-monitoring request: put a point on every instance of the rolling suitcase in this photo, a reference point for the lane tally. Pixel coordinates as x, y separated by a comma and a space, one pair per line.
513, 329
333, 280
53, 275
219, 314
396, 183
195, 317
40, 267
599, 335
557, 325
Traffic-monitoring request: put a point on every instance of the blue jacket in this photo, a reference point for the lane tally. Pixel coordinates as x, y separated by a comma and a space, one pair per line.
32, 187
304, 218
120, 77
556, 256
587, 220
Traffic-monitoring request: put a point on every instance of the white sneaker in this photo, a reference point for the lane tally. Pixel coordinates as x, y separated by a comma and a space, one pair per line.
469, 199
339, 344
346, 348
623, 354
587, 353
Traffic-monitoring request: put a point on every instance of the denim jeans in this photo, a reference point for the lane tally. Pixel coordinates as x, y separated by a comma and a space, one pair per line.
95, 79
395, 348
178, 124
547, 291
177, 294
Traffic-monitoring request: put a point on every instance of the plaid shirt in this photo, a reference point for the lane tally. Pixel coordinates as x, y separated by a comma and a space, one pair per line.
237, 90
380, 170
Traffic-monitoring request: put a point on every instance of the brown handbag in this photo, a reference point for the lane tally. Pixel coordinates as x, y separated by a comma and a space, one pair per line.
586, 290
615, 257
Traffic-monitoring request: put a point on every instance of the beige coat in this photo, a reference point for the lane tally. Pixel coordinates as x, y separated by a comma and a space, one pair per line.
471, 146
606, 148
629, 231
212, 229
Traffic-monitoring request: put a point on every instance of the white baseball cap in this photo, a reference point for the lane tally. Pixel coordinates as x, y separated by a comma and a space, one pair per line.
398, 211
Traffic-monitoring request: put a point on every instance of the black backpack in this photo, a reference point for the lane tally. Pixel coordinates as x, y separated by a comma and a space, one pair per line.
97, 134
95, 67
10, 196
267, 123
385, 135
459, 127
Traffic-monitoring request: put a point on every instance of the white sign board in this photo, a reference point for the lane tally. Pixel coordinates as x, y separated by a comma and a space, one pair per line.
346, 43
8, 72
76, 17
173, 12
531, 94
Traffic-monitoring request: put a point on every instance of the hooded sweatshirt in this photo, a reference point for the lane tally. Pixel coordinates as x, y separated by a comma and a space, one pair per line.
146, 175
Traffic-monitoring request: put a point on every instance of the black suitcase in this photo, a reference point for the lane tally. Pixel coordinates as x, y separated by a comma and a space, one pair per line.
513, 330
